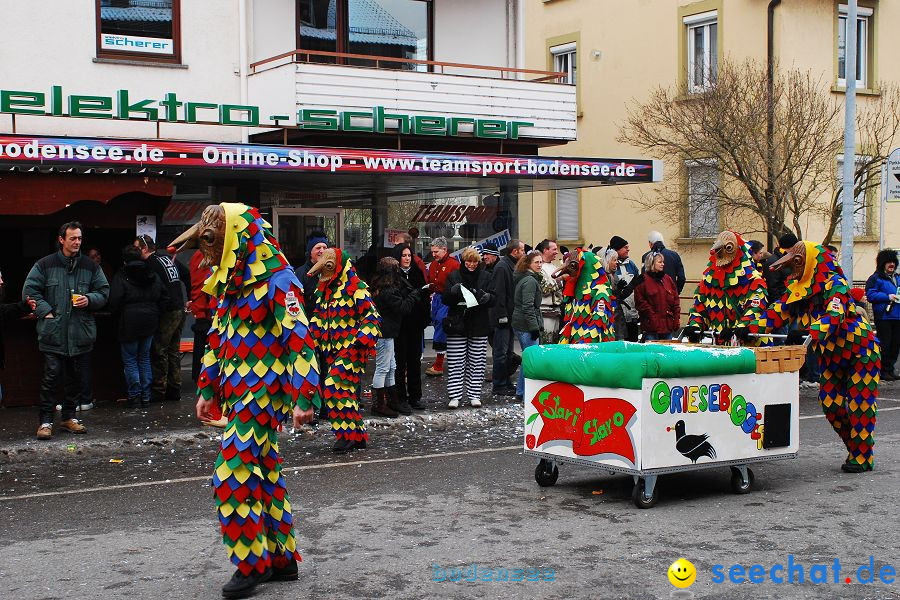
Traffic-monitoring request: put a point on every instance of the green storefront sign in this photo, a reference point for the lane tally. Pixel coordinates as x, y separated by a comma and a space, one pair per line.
171, 109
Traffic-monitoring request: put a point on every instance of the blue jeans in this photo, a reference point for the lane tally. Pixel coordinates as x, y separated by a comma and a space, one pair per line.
525, 341
136, 359
649, 337
385, 364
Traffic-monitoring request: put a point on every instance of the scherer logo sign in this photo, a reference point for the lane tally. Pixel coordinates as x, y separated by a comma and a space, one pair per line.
123, 105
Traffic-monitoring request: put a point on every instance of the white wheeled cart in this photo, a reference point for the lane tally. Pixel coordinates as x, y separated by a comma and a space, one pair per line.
651, 409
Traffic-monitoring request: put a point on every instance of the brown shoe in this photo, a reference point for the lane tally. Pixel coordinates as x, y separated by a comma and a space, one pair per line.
73, 426
45, 431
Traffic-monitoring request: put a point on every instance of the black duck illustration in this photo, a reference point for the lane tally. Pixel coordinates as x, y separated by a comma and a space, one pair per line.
692, 446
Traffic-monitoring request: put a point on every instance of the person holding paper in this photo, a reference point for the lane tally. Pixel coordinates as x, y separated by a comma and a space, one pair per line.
468, 296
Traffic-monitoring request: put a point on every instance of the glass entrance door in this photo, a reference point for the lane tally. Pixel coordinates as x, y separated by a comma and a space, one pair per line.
294, 225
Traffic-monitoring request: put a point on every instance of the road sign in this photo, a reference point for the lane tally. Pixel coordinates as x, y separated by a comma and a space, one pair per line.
893, 176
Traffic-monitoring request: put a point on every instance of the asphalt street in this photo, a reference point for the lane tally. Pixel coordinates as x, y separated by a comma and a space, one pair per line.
441, 496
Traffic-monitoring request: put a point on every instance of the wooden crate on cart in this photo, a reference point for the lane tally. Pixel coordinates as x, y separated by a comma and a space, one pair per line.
779, 359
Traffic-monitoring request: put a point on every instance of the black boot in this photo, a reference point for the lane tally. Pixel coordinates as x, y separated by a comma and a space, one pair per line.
416, 404
852, 467
398, 404
380, 404
132, 402
242, 586
343, 445
285, 573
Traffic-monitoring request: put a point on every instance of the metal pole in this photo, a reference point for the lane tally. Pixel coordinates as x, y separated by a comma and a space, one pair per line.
884, 194
849, 142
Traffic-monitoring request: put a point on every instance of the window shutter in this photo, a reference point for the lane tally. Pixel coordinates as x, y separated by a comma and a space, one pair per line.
568, 215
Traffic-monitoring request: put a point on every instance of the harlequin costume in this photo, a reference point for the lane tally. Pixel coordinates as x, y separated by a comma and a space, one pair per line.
260, 362
590, 308
731, 290
345, 326
818, 299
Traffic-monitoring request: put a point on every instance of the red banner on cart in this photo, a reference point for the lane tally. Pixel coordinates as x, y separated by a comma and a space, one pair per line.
161, 153
595, 426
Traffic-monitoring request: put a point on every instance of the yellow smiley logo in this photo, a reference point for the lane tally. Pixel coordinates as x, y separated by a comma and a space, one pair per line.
682, 573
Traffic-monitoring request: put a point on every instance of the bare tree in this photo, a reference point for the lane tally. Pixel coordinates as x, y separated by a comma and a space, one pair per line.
724, 127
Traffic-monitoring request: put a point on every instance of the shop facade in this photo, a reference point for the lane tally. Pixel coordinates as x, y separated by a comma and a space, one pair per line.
363, 118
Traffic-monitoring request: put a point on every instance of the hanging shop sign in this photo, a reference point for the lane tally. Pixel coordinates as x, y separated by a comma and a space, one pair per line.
172, 109
443, 213
123, 153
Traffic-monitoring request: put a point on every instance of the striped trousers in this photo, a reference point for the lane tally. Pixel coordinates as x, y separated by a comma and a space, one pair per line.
466, 358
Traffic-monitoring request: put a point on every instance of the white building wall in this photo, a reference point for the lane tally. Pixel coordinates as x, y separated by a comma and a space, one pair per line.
54, 43
273, 28
472, 32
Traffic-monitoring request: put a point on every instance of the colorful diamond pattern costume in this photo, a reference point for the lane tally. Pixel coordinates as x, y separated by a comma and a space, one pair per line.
729, 294
590, 306
849, 356
260, 363
345, 325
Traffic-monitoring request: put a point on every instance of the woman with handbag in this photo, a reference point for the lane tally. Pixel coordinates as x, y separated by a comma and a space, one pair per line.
527, 320
467, 325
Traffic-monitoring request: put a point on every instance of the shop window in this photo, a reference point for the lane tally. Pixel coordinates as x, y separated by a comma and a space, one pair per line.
863, 44
147, 30
860, 209
702, 199
702, 50
565, 61
568, 215
377, 28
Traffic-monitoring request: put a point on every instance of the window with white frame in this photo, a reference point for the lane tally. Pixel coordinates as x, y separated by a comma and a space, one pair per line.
568, 215
703, 200
860, 210
863, 31
565, 61
702, 50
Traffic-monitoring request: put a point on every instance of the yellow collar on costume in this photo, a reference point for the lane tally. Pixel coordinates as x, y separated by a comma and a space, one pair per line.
234, 224
799, 288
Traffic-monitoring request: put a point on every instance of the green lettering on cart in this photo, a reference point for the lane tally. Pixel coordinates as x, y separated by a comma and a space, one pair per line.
659, 397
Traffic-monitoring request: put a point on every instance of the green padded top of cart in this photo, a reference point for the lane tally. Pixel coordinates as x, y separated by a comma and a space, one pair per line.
625, 364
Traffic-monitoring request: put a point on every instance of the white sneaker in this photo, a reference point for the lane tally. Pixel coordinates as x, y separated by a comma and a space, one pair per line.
476, 403
87, 406
453, 404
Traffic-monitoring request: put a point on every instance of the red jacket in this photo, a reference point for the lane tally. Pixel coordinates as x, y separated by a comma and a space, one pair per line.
201, 302
439, 270
657, 303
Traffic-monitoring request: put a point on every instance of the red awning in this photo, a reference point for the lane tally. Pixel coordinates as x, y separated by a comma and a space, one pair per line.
44, 194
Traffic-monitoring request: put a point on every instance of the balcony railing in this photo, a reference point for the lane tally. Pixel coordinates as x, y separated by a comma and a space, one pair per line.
386, 62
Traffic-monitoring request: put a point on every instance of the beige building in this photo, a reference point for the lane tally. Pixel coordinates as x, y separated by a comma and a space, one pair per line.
617, 52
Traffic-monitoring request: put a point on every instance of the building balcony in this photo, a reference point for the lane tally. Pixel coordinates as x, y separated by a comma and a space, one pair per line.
374, 94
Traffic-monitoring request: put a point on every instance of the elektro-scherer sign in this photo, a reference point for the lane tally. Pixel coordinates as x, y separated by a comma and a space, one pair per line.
121, 153
172, 109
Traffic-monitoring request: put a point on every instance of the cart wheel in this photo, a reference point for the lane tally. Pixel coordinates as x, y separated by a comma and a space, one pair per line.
637, 495
738, 485
546, 473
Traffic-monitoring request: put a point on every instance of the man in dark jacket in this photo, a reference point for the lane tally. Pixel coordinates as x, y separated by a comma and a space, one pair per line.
500, 315
883, 293
67, 288
673, 267
166, 351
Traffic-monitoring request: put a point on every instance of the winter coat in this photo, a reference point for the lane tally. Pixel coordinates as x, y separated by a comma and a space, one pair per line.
138, 296
69, 331
420, 316
657, 302
503, 287
628, 272
395, 303
8, 312
672, 267
878, 288
439, 271
526, 314
201, 302
476, 319
776, 281
170, 274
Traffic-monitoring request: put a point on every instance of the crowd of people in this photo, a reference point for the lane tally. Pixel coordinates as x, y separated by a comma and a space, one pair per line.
487, 298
